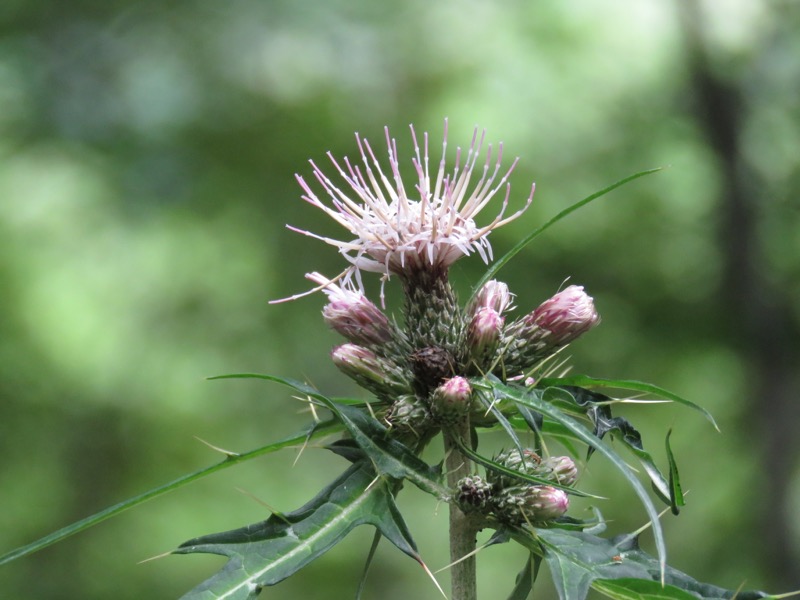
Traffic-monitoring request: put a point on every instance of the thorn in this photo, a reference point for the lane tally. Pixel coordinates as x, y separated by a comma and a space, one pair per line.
465, 557
433, 578
227, 453
271, 509
157, 556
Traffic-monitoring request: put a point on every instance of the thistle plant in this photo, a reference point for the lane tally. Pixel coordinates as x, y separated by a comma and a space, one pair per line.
445, 371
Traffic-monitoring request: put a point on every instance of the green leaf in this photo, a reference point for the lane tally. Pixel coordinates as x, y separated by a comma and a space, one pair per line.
639, 589
533, 399
314, 431
523, 585
626, 384
501, 262
268, 552
599, 412
491, 407
676, 493
579, 560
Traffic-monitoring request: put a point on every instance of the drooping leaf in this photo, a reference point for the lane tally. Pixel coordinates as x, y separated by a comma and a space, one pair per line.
523, 585
376, 539
599, 412
676, 492
618, 567
266, 553
627, 384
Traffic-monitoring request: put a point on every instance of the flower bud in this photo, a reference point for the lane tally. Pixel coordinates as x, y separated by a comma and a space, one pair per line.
483, 335
554, 324
378, 375
525, 462
472, 493
451, 401
531, 503
495, 295
558, 469
409, 414
351, 314
565, 316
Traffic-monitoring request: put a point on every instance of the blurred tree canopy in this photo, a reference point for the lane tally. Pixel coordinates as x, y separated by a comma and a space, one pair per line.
147, 153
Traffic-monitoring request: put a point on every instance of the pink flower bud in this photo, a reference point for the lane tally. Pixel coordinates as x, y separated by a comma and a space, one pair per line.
351, 314
565, 316
379, 375
495, 295
530, 503
484, 332
452, 400
558, 469
544, 503
355, 360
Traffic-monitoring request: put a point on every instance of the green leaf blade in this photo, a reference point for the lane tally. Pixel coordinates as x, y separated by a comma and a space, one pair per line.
268, 552
628, 384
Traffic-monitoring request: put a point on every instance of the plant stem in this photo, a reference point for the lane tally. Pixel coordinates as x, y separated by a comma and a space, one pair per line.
463, 529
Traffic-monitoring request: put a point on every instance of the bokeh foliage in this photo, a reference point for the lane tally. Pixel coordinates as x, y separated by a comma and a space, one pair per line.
147, 159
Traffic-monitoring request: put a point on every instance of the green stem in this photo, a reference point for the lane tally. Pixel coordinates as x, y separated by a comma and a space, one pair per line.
463, 528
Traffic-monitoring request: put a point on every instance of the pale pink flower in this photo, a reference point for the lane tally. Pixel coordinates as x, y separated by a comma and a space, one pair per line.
396, 230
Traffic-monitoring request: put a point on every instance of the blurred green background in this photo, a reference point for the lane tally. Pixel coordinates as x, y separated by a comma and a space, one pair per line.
147, 160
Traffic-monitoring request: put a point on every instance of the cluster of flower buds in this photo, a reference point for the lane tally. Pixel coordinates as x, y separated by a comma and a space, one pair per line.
514, 500
558, 469
518, 501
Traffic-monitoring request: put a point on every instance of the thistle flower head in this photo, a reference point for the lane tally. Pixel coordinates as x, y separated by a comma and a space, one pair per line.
400, 230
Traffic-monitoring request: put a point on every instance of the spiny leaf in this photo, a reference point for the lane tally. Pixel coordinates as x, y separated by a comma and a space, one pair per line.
390, 456
266, 553
639, 589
